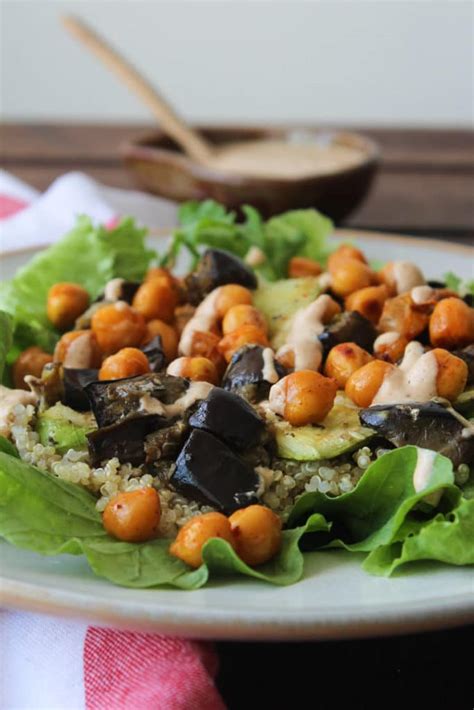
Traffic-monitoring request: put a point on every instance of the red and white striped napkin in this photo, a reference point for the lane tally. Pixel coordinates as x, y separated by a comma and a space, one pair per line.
56, 664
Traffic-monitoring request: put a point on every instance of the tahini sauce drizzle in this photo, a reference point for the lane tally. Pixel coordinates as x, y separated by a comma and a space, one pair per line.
195, 392
284, 159
8, 401
387, 338
421, 294
269, 372
302, 339
204, 318
414, 380
423, 469
407, 275
79, 353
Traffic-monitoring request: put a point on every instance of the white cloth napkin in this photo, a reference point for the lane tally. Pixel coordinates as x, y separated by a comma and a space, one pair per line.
50, 215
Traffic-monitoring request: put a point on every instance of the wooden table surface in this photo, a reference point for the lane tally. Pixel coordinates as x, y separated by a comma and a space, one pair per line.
425, 184
425, 187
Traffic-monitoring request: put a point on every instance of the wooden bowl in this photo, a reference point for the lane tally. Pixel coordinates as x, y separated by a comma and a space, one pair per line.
159, 166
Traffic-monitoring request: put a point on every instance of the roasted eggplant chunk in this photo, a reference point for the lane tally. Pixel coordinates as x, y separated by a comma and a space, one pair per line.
429, 425
229, 417
348, 327
114, 400
124, 440
154, 352
165, 443
467, 354
209, 472
217, 268
74, 383
119, 290
245, 374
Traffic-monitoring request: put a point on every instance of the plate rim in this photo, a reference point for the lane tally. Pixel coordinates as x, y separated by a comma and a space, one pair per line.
208, 623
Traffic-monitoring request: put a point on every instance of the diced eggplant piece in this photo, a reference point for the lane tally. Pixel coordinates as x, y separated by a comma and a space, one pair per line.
229, 417
74, 383
348, 327
124, 440
428, 425
209, 472
467, 354
112, 400
436, 284
154, 352
469, 299
245, 374
165, 443
217, 268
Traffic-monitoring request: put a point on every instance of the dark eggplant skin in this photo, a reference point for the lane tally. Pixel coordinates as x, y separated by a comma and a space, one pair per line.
113, 400
125, 292
74, 382
467, 354
124, 440
217, 268
425, 424
166, 443
154, 352
230, 418
348, 327
209, 472
244, 374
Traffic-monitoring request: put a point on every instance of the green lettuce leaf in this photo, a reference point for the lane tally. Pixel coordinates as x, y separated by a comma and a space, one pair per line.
447, 538
299, 232
374, 511
45, 514
6, 339
456, 283
89, 256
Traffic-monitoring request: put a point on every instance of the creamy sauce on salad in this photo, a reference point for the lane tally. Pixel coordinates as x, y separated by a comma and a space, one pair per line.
285, 159
414, 380
421, 294
9, 399
277, 398
196, 391
204, 319
388, 338
303, 341
79, 354
255, 257
269, 372
113, 289
406, 275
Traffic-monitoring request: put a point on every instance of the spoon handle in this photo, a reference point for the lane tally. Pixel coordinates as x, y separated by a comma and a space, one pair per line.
174, 126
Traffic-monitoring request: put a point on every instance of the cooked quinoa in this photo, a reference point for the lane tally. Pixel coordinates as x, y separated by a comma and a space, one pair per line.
281, 485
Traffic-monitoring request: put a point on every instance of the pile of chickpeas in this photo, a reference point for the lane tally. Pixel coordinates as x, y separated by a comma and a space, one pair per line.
118, 331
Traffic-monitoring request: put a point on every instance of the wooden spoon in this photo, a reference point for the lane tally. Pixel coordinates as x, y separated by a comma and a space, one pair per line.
190, 140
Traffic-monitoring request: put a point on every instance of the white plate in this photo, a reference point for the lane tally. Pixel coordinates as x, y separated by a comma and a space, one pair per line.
336, 599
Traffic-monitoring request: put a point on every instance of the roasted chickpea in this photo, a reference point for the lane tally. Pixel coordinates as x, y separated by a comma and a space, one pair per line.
343, 360
156, 299
30, 362
128, 362
133, 516
349, 276
162, 273
243, 314
198, 369
304, 397
452, 374
245, 335
452, 324
78, 349
364, 383
206, 344
368, 302
345, 251
66, 302
399, 314
231, 295
118, 326
257, 532
196, 532
168, 335
392, 349
300, 266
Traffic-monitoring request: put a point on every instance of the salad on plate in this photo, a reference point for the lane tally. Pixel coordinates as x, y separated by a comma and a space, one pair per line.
248, 395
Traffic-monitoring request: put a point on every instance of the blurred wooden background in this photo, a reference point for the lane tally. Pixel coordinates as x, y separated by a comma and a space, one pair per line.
425, 185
